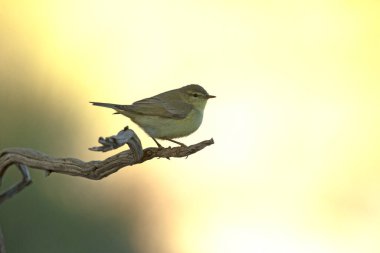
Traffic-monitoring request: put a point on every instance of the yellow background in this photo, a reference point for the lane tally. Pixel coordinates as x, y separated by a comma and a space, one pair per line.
295, 166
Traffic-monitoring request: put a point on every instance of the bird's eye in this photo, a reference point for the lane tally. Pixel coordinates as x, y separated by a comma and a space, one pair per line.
195, 95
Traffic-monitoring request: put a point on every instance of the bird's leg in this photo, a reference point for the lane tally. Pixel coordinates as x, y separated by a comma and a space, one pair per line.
159, 147
177, 142
158, 144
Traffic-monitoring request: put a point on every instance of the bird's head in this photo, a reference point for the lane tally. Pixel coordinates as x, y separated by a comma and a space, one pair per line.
195, 95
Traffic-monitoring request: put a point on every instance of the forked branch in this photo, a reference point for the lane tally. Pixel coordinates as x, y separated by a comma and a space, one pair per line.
25, 158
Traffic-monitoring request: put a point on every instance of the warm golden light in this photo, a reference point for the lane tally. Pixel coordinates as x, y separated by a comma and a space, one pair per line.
295, 165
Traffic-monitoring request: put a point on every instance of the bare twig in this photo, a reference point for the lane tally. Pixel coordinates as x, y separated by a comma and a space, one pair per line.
24, 182
25, 158
125, 136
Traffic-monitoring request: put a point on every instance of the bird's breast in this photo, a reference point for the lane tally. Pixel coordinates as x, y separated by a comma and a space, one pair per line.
160, 127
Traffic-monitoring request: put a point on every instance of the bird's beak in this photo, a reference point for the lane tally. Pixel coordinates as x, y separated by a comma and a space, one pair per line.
210, 96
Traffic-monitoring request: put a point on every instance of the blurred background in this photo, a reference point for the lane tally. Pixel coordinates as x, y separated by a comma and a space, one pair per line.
295, 165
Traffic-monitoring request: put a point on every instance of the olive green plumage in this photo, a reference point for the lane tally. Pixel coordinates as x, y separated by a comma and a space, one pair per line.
171, 114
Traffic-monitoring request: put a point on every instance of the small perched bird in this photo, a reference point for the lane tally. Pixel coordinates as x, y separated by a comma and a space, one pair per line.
168, 115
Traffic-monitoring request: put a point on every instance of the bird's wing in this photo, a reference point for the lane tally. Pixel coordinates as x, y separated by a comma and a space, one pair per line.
162, 105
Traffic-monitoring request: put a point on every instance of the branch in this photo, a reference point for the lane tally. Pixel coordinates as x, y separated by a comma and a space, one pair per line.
25, 158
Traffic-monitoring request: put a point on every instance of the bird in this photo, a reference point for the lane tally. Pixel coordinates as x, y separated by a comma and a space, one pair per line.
169, 115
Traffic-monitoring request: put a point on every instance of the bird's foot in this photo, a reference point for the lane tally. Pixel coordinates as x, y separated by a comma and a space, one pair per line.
158, 144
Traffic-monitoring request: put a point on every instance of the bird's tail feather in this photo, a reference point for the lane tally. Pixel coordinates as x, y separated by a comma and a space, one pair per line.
108, 105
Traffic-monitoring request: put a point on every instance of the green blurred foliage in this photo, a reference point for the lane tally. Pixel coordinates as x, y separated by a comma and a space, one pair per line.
31, 221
